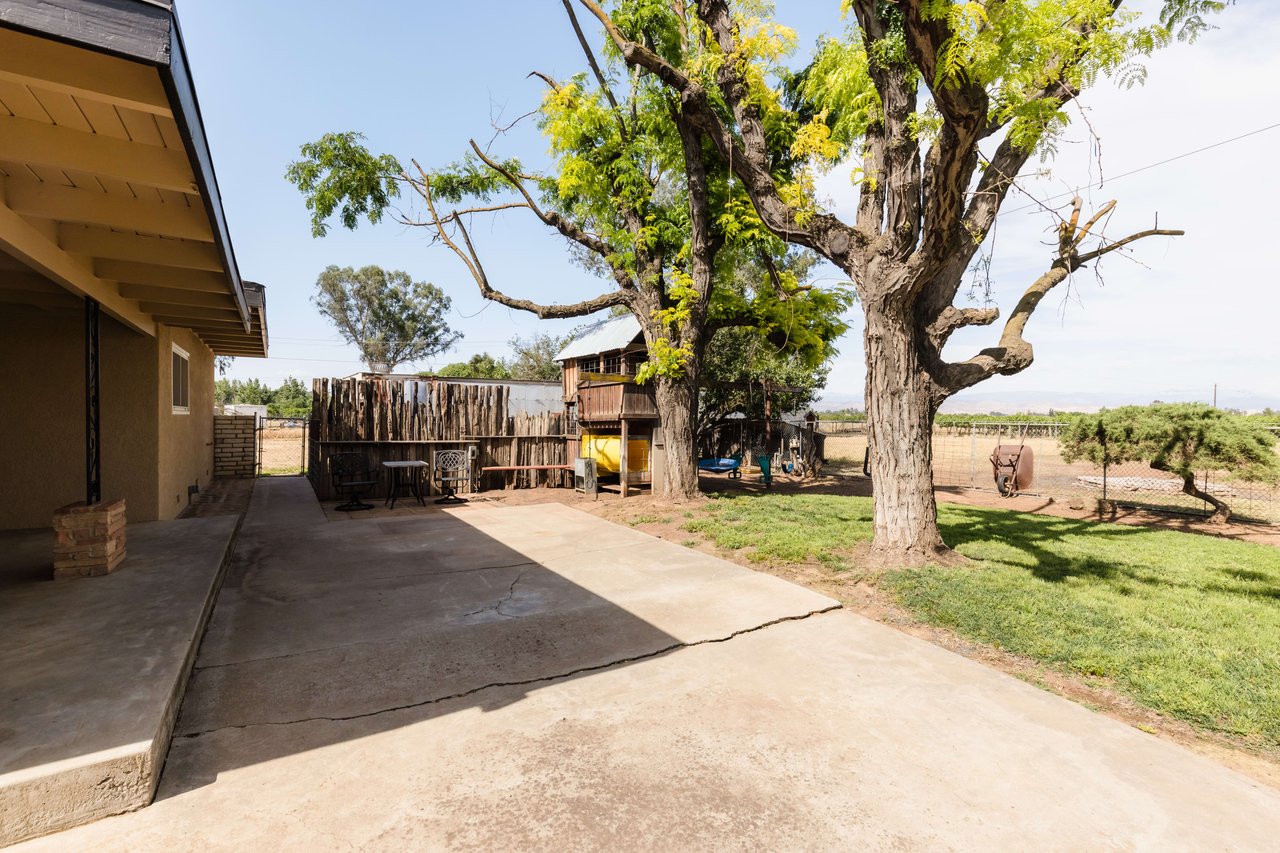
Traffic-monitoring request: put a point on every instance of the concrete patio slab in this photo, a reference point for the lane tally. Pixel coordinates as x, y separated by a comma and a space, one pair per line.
828, 733
389, 614
92, 670
536, 678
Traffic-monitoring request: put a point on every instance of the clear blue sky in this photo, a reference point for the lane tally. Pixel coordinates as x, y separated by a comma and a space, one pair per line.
420, 79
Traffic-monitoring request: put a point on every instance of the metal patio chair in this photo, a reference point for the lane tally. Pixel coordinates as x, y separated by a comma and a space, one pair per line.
352, 475
451, 468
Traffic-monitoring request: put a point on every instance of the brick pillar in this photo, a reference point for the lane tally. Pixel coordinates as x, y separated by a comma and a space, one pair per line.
235, 446
88, 539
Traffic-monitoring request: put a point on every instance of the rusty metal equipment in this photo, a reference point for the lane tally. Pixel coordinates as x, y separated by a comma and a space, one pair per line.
1014, 467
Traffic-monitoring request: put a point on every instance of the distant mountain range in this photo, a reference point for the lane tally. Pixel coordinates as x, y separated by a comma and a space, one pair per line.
1015, 402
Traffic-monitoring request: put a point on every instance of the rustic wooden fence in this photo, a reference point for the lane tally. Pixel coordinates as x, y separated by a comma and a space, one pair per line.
391, 420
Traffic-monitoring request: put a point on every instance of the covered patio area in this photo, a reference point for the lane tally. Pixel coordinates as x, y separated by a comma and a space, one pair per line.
92, 673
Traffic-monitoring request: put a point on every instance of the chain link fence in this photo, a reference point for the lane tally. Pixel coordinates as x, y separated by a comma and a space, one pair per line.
962, 459
282, 446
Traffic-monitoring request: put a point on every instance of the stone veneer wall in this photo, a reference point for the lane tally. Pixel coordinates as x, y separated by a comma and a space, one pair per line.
234, 446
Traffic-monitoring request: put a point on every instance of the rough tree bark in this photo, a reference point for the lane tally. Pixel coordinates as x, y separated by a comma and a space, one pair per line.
919, 224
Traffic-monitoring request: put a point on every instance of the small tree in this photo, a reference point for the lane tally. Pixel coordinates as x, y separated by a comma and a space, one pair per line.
290, 400
741, 364
388, 316
1182, 439
535, 357
251, 392
479, 366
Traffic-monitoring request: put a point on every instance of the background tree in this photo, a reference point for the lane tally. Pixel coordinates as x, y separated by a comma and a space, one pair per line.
535, 357
251, 392
291, 400
388, 316
479, 366
1183, 439
642, 196
943, 103
740, 364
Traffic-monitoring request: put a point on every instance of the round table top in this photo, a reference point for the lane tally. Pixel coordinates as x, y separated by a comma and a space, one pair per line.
408, 463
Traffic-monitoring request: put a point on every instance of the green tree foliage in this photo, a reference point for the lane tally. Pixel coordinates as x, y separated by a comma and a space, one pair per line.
388, 316
337, 171
290, 400
1183, 439
741, 366
535, 357
479, 366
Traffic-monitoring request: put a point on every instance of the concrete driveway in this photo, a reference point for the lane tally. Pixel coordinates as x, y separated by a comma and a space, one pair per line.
537, 678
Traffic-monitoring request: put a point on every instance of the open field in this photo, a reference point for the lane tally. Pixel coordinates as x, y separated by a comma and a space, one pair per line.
283, 449
961, 458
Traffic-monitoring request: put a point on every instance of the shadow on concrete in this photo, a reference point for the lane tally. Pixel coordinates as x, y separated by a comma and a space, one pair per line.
92, 670
329, 631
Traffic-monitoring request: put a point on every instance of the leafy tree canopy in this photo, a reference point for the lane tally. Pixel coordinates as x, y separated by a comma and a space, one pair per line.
741, 364
535, 357
388, 316
479, 366
290, 400
1183, 439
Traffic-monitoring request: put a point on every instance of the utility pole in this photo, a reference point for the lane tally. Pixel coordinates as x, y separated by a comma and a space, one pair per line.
1215, 395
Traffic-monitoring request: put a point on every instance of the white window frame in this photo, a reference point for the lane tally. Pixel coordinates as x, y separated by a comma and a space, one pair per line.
186, 358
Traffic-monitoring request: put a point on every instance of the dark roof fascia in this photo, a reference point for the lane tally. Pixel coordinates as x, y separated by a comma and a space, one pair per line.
141, 31
132, 29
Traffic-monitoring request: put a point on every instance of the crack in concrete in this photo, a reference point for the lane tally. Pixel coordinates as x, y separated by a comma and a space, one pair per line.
497, 608
539, 680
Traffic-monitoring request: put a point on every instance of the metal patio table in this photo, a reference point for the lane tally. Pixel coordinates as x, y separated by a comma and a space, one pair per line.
404, 473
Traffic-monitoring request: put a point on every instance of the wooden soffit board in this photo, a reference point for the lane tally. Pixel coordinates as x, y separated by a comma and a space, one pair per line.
98, 189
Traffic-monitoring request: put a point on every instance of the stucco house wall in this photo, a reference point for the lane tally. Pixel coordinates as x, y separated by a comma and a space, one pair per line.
150, 455
185, 443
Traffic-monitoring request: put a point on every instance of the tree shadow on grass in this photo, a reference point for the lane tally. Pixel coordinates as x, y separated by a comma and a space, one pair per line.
1035, 537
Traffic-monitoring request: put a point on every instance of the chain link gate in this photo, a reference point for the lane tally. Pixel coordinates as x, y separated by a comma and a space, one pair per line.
282, 446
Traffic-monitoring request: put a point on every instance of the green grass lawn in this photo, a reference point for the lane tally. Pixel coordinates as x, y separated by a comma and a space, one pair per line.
1186, 624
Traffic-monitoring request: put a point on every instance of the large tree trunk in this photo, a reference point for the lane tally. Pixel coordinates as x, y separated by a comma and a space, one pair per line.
677, 407
899, 431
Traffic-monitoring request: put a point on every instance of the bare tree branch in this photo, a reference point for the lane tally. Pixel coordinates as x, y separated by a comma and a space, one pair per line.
471, 260
554, 219
1014, 352
1081, 260
958, 318
595, 68
550, 81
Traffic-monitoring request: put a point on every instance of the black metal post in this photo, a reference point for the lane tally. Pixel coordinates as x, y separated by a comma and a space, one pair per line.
92, 409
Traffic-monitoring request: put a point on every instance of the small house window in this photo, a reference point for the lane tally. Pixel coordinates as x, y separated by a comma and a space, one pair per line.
181, 381
589, 365
634, 360
613, 363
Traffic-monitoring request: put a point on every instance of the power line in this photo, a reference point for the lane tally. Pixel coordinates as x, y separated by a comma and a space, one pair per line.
1142, 168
